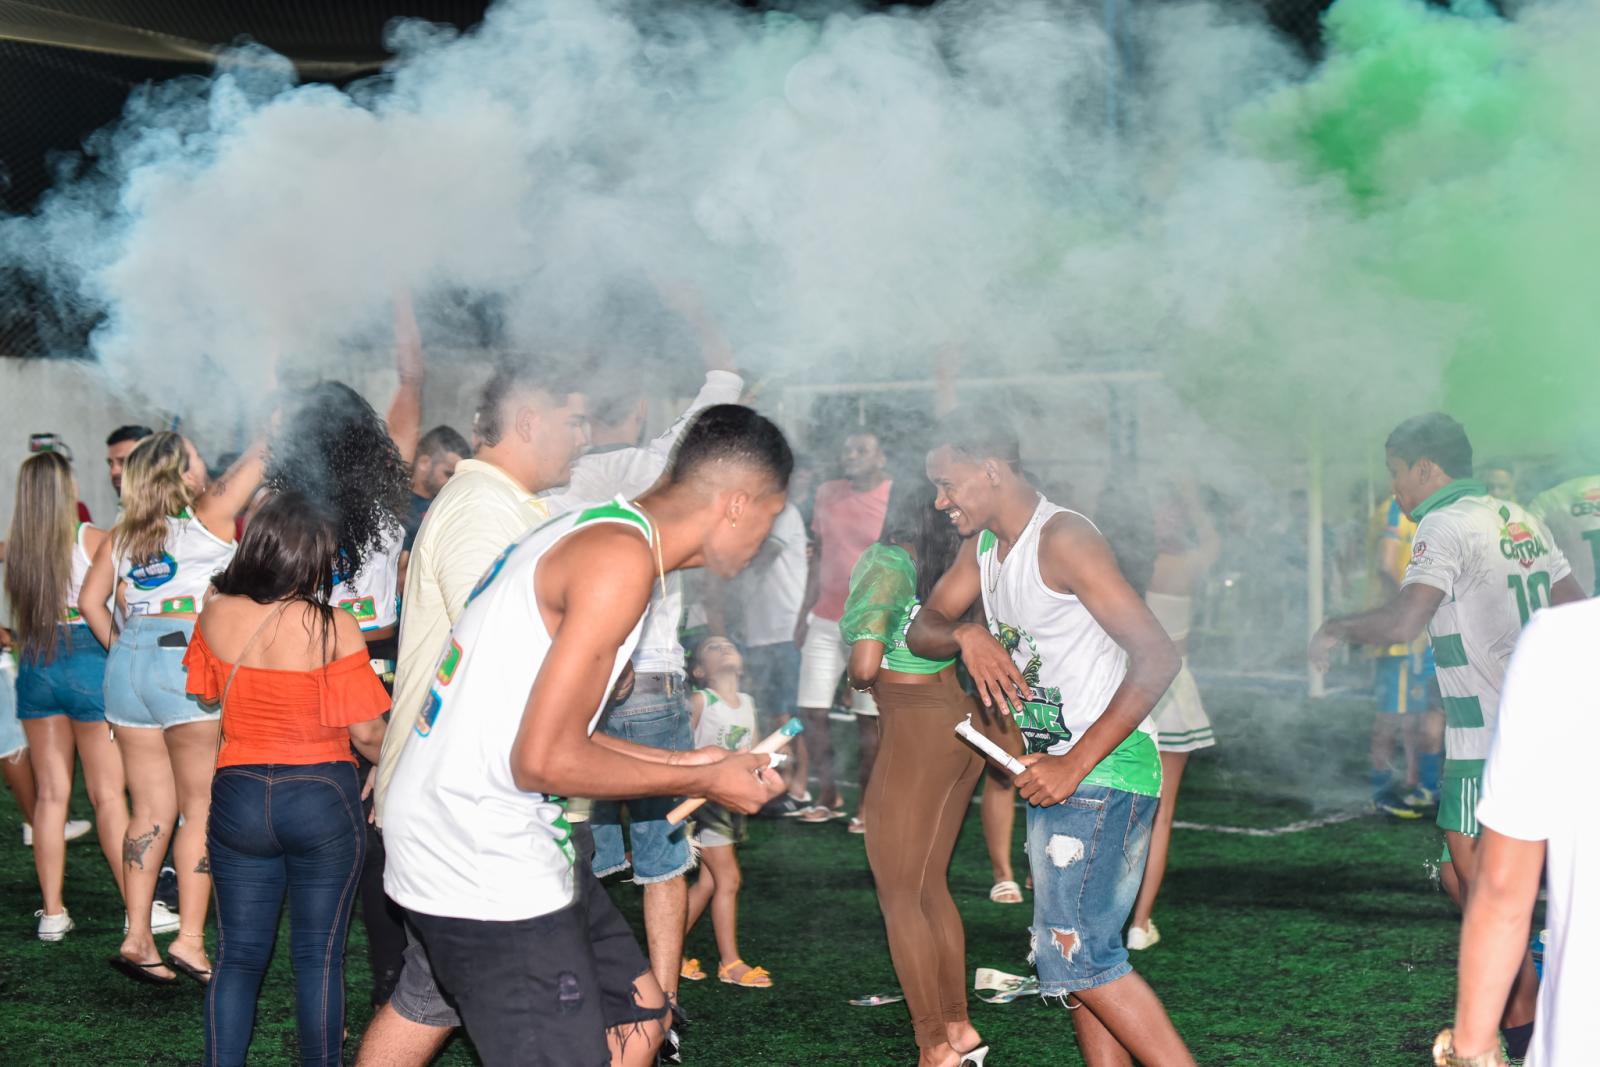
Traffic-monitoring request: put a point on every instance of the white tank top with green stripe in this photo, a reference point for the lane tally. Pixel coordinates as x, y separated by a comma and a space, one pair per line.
80, 571
1495, 563
1071, 663
461, 839
177, 579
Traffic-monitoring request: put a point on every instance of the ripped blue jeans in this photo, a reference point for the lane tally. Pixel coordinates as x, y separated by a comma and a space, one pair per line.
1087, 856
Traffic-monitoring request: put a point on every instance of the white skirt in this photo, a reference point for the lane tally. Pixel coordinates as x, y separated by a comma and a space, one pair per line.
1180, 718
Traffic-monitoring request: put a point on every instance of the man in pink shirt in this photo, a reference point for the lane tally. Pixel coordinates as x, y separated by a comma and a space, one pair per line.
847, 517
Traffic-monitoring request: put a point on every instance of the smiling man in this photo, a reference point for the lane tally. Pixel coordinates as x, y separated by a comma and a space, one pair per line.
1080, 661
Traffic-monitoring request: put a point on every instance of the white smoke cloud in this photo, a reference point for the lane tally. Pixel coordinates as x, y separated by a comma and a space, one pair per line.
853, 194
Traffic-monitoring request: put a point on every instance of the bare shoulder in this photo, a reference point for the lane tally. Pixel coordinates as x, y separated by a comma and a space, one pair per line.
93, 538
607, 560
1068, 529
347, 634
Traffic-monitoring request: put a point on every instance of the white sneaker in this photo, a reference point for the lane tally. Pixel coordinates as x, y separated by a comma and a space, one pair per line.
54, 927
76, 828
1140, 938
163, 920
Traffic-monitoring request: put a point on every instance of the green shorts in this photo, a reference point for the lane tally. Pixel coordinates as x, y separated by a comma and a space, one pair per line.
1458, 805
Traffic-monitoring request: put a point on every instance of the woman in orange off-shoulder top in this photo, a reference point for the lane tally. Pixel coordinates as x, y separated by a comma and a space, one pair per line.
292, 676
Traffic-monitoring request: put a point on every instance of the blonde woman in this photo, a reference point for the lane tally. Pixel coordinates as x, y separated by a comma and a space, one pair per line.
60, 675
175, 533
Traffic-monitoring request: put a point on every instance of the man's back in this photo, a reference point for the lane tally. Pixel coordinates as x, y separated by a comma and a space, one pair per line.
1495, 564
462, 838
476, 515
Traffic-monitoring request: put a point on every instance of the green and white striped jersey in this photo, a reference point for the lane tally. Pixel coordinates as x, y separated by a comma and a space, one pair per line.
1495, 564
1572, 512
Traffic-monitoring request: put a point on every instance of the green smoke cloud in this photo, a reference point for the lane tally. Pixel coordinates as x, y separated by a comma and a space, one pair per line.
1463, 147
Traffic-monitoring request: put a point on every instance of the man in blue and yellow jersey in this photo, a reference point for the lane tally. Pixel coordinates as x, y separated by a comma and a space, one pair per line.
1405, 688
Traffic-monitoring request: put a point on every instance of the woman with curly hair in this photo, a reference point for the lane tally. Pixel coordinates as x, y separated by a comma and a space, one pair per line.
172, 537
336, 451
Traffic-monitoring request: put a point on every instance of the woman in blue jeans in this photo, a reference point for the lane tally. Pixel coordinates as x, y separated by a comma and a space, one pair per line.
296, 691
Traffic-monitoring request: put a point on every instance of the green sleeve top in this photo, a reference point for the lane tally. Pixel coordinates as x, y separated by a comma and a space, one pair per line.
881, 605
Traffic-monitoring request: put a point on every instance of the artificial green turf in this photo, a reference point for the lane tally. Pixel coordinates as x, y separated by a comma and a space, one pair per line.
1330, 946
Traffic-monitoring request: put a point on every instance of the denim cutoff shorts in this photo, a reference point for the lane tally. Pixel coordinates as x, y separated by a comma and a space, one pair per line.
660, 850
72, 683
145, 679
1087, 857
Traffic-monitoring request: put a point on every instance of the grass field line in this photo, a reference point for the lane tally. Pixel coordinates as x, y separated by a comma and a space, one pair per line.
1272, 831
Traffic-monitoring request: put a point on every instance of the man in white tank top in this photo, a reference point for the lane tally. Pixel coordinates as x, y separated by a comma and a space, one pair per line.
520, 934
1078, 659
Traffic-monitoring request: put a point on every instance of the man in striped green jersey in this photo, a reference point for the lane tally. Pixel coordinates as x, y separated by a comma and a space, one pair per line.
1480, 567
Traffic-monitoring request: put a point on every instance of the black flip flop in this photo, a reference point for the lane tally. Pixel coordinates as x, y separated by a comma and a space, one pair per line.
141, 972
201, 976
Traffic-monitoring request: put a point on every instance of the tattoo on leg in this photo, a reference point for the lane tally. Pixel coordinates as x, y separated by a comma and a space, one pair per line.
134, 848
203, 867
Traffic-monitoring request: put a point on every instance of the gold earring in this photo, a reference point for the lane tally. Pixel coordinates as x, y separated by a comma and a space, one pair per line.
734, 523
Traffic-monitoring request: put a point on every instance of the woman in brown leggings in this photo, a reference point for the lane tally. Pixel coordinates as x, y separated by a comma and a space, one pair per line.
924, 777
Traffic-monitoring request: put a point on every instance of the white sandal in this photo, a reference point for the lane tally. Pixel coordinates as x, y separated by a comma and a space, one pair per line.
1006, 892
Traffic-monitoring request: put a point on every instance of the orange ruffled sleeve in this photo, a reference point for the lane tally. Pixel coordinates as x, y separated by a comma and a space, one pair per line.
206, 675
350, 691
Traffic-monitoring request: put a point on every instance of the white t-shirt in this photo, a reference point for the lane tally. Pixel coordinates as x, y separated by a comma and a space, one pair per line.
1495, 564
370, 596
1536, 788
461, 839
627, 472
773, 587
722, 725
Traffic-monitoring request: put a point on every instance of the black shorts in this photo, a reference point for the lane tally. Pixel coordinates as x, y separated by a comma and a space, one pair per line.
543, 990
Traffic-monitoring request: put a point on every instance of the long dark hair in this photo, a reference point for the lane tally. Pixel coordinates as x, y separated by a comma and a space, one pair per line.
287, 554
911, 519
39, 557
336, 450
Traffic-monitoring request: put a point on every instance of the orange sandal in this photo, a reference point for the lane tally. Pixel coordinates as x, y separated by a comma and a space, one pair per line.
752, 978
692, 971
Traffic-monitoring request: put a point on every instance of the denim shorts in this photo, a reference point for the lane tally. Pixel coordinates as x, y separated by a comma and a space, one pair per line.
1087, 856
660, 851
72, 683
13, 742
145, 679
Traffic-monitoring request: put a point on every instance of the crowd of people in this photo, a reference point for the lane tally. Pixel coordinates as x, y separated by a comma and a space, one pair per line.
454, 682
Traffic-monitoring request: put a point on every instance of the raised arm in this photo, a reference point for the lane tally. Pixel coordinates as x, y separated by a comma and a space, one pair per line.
597, 586
98, 586
1074, 558
938, 633
222, 501
405, 412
